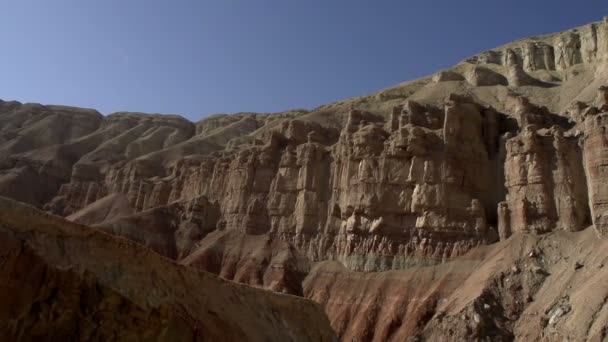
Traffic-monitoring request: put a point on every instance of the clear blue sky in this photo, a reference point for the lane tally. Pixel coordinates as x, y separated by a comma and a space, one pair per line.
201, 57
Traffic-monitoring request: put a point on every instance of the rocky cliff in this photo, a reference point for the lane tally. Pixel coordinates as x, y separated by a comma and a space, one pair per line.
509, 142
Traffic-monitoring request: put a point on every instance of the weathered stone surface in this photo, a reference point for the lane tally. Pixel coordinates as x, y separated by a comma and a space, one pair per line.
409, 191
596, 159
527, 113
447, 75
480, 76
546, 183
560, 51
375, 200
518, 77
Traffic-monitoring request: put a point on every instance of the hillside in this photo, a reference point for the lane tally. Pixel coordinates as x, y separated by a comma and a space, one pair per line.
64, 281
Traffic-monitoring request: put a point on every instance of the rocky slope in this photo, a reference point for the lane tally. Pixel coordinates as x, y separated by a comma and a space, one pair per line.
64, 281
406, 181
527, 288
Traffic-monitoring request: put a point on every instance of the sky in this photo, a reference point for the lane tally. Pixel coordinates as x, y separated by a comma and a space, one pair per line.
200, 57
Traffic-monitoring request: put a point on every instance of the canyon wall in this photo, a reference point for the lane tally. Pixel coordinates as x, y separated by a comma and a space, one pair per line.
586, 44
376, 195
380, 194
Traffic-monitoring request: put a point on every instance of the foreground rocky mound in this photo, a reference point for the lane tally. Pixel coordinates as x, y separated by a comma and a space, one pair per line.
64, 281
412, 180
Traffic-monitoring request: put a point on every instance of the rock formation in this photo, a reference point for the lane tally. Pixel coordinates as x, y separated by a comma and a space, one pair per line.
583, 45
378, 198
508, 143
546, 182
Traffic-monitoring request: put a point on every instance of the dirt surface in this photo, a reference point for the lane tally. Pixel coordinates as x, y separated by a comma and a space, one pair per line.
65, 281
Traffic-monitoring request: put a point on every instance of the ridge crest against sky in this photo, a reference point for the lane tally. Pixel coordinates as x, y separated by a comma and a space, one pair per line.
196, 58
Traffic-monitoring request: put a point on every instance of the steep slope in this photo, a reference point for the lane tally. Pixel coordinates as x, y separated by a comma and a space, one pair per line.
64, 281
257, 260
527, 288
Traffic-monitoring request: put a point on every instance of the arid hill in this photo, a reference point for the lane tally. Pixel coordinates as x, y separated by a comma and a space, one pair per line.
467, 205
67, 282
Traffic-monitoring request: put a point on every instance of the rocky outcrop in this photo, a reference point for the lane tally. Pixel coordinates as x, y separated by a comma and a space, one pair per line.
546, 183
480, 76
527, 113
68, 282
382, 197
381, 194
447, 75
405, 197
596, 158
586, 44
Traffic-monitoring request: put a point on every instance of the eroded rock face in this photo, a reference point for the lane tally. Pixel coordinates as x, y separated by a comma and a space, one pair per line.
447, 75
383, 196
380, 194
480, 76
596, 149
586, 44
406, 197
546, 183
